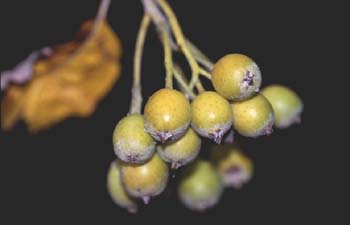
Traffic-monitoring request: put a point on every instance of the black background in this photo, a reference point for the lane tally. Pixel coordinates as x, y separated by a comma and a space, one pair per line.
59, 175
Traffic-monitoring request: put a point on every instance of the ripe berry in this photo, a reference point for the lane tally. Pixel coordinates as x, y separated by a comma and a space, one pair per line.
116, 189
234, 167
236, 77
167, 115
131, 142
182, 151
201, 187
211, 115
253, 117
145, 180
286, 105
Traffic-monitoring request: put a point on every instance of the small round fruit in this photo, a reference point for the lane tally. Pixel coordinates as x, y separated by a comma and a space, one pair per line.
253, 117
201, 187
131, 142
116, 189
286, 105
211, 115
167, 115
182, 151
236, 77
145, 180
234, 167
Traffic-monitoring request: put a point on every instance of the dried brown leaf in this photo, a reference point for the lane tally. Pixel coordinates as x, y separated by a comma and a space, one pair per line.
69, 82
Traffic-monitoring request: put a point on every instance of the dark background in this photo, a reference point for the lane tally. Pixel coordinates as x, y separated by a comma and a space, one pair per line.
59, 175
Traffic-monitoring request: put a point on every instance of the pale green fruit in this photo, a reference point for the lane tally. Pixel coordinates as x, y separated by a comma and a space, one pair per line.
130, 140
211, 115
253, 117
286, 105
182, 151
234, 167
116, 189
201, 187
236, 77
145, 180
167, 115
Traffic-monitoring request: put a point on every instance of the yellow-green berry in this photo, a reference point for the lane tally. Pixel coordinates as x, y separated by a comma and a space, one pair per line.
130, 140
253, 117
286, 105
211, 115
167, 115
116, 189
236, 77
235, 168
182, 151
201, 187
145, 180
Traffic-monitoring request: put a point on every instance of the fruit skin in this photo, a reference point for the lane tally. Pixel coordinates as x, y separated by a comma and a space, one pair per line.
211, 115
167, 115
236, 77
145, 180
131, 142
201, 186
116, 189
182, 151
286, 105
253, 117
235, 168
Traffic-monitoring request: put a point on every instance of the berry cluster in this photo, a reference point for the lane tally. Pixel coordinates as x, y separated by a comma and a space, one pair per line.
173, 122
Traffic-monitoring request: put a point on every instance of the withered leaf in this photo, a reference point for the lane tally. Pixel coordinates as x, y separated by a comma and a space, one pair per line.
68, 82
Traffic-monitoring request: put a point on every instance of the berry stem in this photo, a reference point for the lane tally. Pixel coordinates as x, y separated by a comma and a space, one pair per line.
167, 23
181, 80
181, 41
168, 59
100, 17
199, 86
136, 99
158, 19
200, 56
98, 21
205, 73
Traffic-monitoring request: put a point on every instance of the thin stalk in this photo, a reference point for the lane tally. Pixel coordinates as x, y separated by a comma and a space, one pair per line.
158, 19
181, 41
136, 99
181, 80
200, 56
168, 59
205, 73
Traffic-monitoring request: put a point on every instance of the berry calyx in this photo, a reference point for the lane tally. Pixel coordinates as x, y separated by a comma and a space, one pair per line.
253, 117
236, 77
201, 187
234, 167
286, 105
116, 189
130, 140
167, 115
145, 180
182, 151
211, 115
